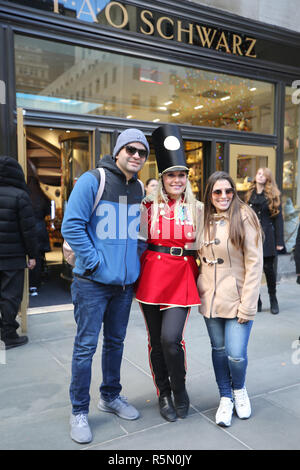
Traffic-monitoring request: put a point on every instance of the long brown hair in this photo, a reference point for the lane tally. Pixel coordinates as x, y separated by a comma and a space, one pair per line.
271, 192
236, 226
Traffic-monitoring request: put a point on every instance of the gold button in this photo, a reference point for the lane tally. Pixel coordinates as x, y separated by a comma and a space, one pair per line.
158, 257
185, 258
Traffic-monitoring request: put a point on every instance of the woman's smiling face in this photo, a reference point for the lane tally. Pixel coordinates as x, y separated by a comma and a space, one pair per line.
222, 194
174, 183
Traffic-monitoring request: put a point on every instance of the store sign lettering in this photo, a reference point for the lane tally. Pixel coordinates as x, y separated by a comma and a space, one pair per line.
151, 23
206, 36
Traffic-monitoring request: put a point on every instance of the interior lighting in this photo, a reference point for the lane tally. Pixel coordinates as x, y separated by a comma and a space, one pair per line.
225, 98
175, 114
168, 102
199, 107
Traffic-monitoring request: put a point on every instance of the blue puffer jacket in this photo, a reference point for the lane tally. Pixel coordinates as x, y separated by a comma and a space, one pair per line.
105, 240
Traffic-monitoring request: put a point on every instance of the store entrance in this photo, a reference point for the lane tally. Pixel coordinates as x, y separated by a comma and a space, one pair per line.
55, 160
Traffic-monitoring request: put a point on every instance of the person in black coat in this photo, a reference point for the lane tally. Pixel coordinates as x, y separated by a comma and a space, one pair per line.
17, 240
264, 197
41, 208
297, 256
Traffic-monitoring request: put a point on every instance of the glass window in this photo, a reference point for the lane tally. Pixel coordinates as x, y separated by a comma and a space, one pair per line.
290, 181
244, 162
220, 156
194, 160
50, 75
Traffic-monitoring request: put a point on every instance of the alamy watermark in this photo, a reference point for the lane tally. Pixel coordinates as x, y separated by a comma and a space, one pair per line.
2, 353
296, 354
296, 93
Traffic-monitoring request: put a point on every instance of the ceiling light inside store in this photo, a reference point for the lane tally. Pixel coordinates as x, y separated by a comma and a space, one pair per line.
168, 102
68, 132
156, 120
175, 114
225, 98
199, 107
129, 116
252, 89
162, 108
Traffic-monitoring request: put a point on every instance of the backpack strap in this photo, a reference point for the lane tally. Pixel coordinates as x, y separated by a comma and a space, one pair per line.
142, 186
101, 187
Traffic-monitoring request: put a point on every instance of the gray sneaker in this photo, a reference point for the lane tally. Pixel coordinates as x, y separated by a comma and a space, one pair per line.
120, 407
80, 429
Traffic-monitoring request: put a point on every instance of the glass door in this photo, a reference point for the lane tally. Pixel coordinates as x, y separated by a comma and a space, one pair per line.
245, 160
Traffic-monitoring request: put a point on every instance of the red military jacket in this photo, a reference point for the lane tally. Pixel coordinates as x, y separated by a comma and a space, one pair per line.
165, 279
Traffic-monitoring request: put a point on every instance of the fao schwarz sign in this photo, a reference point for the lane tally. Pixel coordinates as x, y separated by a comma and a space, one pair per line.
152, 23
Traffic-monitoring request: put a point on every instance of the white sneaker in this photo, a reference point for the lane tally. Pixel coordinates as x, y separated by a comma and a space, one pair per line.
242, 403
224, 413
80, 429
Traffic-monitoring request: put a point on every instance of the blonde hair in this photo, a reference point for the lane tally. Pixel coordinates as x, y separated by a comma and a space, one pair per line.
271, 191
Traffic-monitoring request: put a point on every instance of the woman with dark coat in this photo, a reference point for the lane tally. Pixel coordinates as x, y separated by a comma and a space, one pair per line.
264, 197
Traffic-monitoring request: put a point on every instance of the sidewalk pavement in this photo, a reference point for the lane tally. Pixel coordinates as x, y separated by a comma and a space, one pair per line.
34, 399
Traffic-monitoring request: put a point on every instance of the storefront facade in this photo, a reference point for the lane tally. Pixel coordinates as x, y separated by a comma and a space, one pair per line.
75, 72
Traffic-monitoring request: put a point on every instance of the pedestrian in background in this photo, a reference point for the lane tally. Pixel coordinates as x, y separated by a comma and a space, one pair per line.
17, 241
229, 283
107, 266
150, 186
264, 198
41, 207
167, 285
297, 256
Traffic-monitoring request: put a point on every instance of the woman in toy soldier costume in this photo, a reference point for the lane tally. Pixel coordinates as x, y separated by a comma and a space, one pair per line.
167, 286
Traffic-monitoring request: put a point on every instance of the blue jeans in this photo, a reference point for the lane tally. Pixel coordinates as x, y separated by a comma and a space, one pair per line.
95, 303
229, 341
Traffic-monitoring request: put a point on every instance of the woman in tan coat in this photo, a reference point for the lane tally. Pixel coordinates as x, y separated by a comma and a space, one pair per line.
229, 282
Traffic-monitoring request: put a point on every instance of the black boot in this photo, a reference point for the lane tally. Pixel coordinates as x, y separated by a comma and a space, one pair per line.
259, 304
14, 341
298, 280
182, 404
274, 304
166, 408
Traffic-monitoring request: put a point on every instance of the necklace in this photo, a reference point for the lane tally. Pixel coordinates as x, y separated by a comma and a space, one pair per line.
181, 213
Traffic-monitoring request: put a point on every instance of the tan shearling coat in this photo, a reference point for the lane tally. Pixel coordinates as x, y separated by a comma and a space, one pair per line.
230, 278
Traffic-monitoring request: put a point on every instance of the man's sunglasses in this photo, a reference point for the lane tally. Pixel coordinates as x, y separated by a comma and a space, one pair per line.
132, 151
218, 192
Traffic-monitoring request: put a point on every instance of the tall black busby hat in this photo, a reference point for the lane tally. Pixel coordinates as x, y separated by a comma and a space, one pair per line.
169, 148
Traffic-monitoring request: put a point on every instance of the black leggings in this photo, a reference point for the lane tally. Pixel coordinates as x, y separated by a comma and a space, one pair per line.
166, 346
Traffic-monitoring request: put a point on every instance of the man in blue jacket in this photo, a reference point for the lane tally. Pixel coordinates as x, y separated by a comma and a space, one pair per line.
104, 241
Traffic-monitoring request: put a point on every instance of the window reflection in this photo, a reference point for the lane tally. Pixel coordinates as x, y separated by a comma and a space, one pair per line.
72, 79
290, 180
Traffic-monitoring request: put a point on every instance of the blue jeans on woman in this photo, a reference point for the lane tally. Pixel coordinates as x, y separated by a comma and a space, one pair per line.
229, 341
95, 303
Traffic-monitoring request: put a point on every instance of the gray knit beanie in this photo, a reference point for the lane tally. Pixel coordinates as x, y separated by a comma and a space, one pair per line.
128, 136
